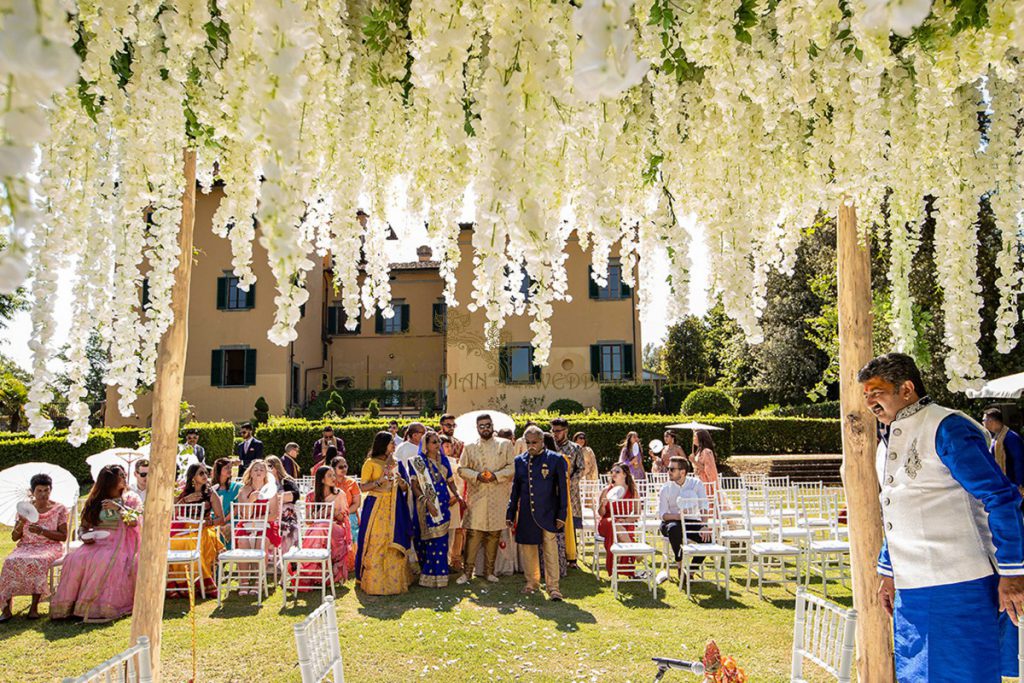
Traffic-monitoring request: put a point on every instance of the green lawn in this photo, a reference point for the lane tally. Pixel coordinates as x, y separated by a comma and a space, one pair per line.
480, 632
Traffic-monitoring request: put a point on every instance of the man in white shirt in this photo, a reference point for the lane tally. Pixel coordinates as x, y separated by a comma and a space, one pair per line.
683, 509
407, 450
141, 479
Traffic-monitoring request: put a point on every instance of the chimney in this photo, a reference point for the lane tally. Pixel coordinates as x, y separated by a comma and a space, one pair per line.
424, 253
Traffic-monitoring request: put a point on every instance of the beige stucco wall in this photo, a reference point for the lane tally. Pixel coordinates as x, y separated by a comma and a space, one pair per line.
210, 328
472, 371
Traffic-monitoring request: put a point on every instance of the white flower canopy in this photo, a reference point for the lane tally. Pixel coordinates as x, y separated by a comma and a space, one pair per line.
603, 117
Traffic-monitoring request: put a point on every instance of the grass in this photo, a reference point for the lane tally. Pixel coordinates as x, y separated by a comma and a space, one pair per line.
478, 632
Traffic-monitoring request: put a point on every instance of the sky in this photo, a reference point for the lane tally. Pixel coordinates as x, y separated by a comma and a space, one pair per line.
14, 339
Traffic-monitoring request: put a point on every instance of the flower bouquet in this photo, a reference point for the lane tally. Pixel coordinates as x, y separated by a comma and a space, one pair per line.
719, 669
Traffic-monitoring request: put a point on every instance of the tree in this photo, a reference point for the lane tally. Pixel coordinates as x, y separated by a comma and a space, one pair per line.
98, 357
13, 397
7, 365
684, 356
261, 415
373, 408
726, 349
336, 404
653, 357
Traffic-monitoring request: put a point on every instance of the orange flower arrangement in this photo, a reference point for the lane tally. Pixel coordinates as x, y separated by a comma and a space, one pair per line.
719, 669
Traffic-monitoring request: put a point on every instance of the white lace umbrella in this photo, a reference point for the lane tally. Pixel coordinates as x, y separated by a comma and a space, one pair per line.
694, 425
125, 457
14, 483
1011, 386
465, 424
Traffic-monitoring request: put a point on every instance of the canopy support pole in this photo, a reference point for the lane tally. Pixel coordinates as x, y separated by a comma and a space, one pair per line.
864, 514
148, 611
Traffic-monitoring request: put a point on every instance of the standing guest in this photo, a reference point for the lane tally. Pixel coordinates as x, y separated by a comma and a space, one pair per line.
520, 445
41, 543
621, 487
290, 459
631, 455
198, 491
288, 491
255, 490
326, 441
703, 457
683, 509
141, 479
250, 449
97, 581
506, 434
410, 446
590, 472
453, 449
1007, 447
382, 565
574, 462
671, 449
393, 430
351, 488
537, 510
487, 468
192, 445
448, 429
434, 490
953, 554
327, 490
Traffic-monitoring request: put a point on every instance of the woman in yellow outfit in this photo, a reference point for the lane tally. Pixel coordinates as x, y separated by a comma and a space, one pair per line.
385, 528
198, 490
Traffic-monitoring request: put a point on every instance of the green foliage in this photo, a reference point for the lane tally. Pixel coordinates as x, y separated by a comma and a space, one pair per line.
218, 438
684, 356
425, 402
565, 406
261, 414
749, 400
673, 58
55, 450
673, 396
746, 18
726, 349
13, 397
770, 435
627, 398
336, 405
373, 408
825, 409
708, 401
124, 437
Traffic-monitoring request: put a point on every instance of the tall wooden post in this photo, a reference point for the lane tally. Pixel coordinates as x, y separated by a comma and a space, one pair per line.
148, 612
874, 642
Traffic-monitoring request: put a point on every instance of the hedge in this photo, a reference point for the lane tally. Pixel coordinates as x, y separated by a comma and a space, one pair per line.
627, 398
825, 409
709, 400
565, 406
673, 396
55, 450
770, 435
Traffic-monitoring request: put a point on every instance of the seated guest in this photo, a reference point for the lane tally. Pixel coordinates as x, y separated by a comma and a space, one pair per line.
141, 479
622, 487
227, 490
321, 445
351, 487
288, 488
683, 507
198, 490
192, 445
97, 582
290, 459
326, 490
40, 544
255, 490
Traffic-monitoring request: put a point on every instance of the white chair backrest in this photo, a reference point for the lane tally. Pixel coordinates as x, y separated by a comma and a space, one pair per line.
315, 520
658, 478
249, 521
590, 491
753, 480
305, 484
730, 483
131, 666
604, 479
187, 520
692, 505
628, 518
823, 633
316, 640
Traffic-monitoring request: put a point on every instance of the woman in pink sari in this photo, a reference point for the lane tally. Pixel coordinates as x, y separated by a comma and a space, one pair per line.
40, 544
324, 491
97, 582
622, 487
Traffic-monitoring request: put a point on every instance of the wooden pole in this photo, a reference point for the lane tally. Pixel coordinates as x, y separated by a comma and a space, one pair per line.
148, 612
874, 639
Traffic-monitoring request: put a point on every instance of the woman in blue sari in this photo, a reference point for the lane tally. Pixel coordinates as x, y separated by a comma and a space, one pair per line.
434, 491
382, 564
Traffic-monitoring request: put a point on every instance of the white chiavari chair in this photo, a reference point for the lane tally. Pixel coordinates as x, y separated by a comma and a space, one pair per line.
312, 556
246, 562
318, 645
717, 570
305, 484
823, 633
184, 563
828, 558
772, 557
739, 537
131, 666
630, 552
590, 491
70, 543
731, 498
812, 501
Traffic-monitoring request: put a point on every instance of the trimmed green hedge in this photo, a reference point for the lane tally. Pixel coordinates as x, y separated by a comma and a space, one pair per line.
709, 401
627, 398
565, 406
55, 450
749, 400
771, 435
825, 409
673, 396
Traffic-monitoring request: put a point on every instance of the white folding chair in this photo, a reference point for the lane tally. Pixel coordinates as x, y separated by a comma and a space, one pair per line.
305, 485
315, 521
131, 666
70, 543
738, 539
317, 643
630, 551
772, 558
823, 633
717, 571
587, 533
248, 550
184, 565
827, 557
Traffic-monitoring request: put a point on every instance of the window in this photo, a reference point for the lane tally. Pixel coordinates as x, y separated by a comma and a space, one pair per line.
145, 293
397, 323
515, 365
394, 386
439, 316
615, 289
231, 298
233, 368
336, 320
611, 362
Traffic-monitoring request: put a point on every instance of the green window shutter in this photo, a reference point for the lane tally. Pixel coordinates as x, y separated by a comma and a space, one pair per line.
627, 361
595, 361
625, 291
250, 367
595, 291
250, 296
404, 308
332, 320
504, 362
378, 323
217, 368
534, 369
222, 293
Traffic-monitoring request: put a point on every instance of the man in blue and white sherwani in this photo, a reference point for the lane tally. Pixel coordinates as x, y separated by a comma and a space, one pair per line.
953, 555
